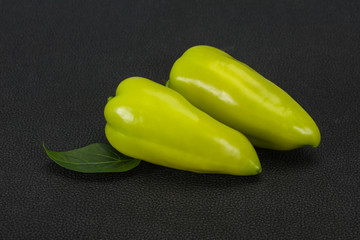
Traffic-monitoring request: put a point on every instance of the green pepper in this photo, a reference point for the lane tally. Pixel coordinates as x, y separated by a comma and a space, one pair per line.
238, 96
151, 122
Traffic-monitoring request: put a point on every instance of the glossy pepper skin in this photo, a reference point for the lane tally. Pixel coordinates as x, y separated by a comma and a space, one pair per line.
151, 122
236, 95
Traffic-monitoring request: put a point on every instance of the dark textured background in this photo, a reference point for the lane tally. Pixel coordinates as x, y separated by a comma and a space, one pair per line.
60, 60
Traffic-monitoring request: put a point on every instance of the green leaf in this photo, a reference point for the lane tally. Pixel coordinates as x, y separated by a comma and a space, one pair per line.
95, 158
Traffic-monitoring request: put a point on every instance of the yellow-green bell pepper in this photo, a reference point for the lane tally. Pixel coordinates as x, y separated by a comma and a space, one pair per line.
236, 95
151, 122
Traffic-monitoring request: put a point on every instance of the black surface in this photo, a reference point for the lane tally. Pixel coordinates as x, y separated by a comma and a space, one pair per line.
60, 60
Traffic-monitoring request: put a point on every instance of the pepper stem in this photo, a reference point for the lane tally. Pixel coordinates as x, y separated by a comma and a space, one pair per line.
109, 98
